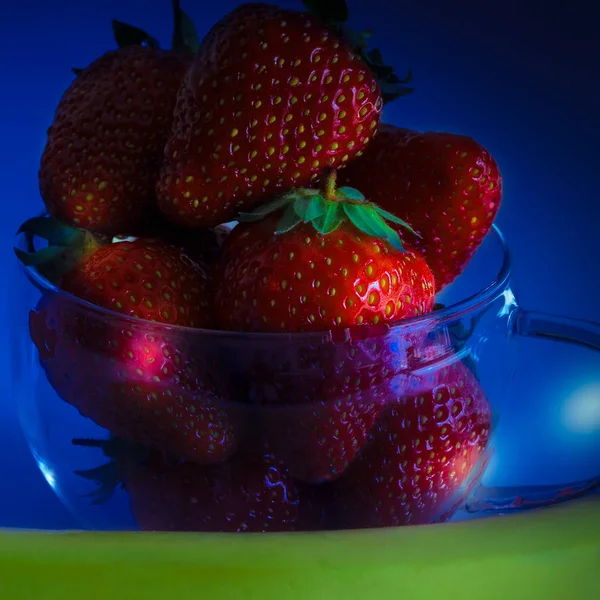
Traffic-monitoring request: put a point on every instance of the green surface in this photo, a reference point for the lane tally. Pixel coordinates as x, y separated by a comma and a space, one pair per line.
547, 554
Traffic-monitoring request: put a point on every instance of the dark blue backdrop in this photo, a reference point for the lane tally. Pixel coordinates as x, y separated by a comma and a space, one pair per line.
521, 77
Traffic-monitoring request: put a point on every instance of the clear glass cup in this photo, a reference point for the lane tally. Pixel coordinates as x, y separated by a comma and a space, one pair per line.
365, 427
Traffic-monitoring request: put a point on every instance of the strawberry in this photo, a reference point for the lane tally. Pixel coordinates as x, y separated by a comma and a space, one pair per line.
320, 267
250, 493
142, 381
319, 394
318, 440
106, 141
422, 456
273, 96
447, 186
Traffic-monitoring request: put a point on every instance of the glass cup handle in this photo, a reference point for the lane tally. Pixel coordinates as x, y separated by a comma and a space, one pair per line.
539, 325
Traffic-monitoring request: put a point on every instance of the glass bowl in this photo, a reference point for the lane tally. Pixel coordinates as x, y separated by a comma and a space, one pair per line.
137, 425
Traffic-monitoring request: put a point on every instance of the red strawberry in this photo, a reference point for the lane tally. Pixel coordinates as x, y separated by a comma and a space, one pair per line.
273, 96
313, 274
318, 440
423, 454
147, 279
250, 493
321, 274
447, 186
141, 381
319, 394
106, 142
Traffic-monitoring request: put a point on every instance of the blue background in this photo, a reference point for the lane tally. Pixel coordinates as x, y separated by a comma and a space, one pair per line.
522, 77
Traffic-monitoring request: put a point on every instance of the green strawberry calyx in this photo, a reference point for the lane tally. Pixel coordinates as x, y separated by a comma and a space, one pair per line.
66, 246
110, 475
327, 208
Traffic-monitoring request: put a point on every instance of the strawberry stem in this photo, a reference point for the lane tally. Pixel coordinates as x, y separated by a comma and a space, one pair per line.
327, 208
328, 185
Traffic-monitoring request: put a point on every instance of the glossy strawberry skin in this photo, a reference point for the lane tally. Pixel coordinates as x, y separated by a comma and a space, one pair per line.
426, 447
106, 142
138, 380
147, 279
304, 281
447, 186
271, 99
246, 494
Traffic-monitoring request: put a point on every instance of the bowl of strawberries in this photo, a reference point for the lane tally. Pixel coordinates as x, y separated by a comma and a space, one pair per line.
230, 314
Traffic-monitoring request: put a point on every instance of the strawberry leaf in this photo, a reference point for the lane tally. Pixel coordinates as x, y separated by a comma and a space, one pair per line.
185, 37
329, 11
359, 40
309, 208
351, 194
391, 85
109, 476
113, 447
388, 216
128, 35
106, 478
258, 214
334, 13
368, 220
330, 220
360, 217
66, 246
41, 257
52, 230
301, 206
288, 221
191, 39
392, 91
316, 207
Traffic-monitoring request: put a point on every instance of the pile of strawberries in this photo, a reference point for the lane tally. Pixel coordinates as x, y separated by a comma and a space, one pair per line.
305, 410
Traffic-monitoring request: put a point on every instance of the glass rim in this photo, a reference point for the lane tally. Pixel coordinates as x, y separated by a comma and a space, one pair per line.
449, 313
